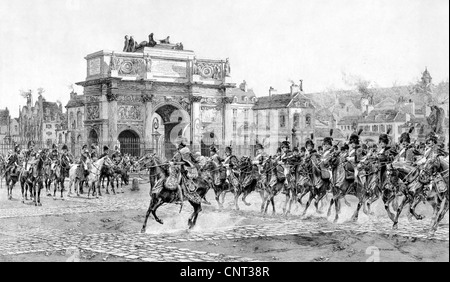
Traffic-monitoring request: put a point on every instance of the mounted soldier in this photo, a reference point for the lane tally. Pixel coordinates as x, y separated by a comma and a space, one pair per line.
116, 156
105, 152
231, 163
354, 156
12, 161
54, 156
326, 158
221, 173
82, 170
94, 153
260, 158
30, 155
286, 160
385, 155
309, 144
65, 157
406, 157
184, 157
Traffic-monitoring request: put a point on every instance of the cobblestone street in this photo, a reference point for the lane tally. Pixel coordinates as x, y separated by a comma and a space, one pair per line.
158, 245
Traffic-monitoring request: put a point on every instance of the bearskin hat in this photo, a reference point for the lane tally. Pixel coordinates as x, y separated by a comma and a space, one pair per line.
285, 144
310, 143
64, 147
328, 140
384, 138
405, 136
54, 146
228, 149
432, 137
296, 150
354, 138
278, 150
30, 143
93, 147
213, 149
303, 149
16, 147
345, 147
105, 148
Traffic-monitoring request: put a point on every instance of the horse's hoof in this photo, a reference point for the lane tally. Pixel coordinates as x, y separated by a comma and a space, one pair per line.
159, 221
395, 226
62, 199
39, 204
143, 230
335, 221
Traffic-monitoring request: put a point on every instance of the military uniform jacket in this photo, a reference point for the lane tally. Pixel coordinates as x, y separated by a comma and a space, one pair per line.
406, 155
232, 161
55, 155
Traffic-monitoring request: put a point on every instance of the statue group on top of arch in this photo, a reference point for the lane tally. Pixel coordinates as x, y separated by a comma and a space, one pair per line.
130, 45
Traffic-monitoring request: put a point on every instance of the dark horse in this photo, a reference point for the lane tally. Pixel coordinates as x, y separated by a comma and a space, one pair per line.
34, 180
345, 184
275, 177
248, 179
60, 172
193, 190
438, 195
319, 186
11, 178
216, 176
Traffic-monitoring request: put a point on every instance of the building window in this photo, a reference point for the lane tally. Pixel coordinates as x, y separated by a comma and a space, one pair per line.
245, 126
60, 138
246, 114
375, 128
389, 127
235, 113
79, 118
236, 99
366, 128
382, 128
245, 140
268, 121
308, 120
282, 120
296, 120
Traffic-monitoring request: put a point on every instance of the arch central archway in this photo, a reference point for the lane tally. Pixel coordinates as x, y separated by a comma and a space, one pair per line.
175, 121
129, 143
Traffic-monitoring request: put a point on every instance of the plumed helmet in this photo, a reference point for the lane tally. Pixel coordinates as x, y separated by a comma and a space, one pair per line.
278, 150
259, 147
84, 147
54, 146
64, 147
328, 140
213, 149
354, 138
181, 145
16, 147
30, 143
296, 150
345, 147
228, 149
432, 137
105, 148
285, 144
93, 147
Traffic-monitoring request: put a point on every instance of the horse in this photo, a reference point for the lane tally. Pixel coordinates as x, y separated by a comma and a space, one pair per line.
107, 172
60, 172
372, 184
413, 180
11, 178
216, 176
247, 180
163, 191
438, 194
344, 184
319, 187
94, 174
276, 178
34, 179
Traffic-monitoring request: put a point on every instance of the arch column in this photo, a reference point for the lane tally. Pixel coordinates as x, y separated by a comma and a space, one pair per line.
111, 96
196, 123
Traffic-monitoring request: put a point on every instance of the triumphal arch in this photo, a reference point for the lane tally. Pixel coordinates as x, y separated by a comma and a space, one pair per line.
154, 97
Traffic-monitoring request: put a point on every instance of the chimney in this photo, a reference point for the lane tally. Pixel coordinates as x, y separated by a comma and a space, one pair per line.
272, 91
301, 85
243, 86
294, 89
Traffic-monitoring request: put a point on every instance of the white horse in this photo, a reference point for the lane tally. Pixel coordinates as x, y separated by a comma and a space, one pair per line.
93, 176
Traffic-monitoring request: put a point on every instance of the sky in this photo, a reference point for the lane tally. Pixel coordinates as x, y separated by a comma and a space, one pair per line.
268, 42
